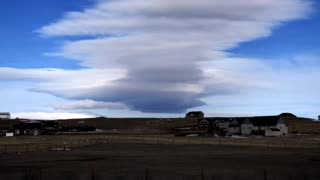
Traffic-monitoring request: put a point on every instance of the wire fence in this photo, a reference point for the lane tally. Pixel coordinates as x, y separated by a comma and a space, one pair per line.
149, 174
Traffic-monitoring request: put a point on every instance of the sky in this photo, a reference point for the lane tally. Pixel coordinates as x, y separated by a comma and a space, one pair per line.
159, 58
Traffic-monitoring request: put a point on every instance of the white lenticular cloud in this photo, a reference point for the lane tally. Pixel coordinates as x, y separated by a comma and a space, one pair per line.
163, 16
164, 50
89, 104
50, 115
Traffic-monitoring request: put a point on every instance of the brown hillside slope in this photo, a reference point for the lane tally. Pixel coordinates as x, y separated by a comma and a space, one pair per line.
6, 124
303, 125
128, 124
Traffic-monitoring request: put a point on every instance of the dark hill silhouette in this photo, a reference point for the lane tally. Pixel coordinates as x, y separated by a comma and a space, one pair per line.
296, 124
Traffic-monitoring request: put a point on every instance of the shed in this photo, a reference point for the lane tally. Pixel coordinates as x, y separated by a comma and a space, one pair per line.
9, 134
195, 114
5, 115
272, 132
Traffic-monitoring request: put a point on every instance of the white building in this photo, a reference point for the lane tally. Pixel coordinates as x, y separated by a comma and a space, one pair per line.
265, 125
258, 125
5, 115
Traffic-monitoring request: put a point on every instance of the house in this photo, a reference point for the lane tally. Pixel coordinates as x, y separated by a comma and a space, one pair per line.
258, 125
229, 125
195, 114
34, 128
5, 115
265, 125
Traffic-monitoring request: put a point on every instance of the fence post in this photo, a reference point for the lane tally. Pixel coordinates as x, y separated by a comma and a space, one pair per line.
40, 174
202, 174
92, 174
147, 174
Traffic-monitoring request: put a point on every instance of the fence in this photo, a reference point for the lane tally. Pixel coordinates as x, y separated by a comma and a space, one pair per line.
147, 174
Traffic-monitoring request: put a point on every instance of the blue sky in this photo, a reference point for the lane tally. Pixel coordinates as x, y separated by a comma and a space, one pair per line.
63, 59
297, 37
19, 22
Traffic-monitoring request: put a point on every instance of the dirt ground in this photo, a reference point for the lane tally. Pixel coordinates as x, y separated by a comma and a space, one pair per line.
164, 162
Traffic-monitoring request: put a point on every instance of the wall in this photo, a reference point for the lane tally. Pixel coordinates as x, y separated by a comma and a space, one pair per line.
2, 116
234, 130
246, 129
269, 132
283, 129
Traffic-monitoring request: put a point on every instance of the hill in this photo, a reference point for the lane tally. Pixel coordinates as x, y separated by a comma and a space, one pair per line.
161, 125
296, 125
304, 125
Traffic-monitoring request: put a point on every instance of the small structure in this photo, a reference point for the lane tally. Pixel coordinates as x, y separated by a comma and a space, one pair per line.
195, 114
5, 115
9, 134
319, 117
273, 132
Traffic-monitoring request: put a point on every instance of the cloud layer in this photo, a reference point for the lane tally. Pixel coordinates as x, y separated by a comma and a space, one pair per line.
50, 115
89, 104
159, 55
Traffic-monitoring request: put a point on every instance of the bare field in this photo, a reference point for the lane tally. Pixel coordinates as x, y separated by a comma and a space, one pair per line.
24, 144
164, 162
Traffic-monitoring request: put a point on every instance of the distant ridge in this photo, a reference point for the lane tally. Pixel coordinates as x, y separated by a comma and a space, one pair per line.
296, 124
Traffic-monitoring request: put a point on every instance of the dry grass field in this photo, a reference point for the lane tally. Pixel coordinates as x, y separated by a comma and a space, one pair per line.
138, 161
24, 144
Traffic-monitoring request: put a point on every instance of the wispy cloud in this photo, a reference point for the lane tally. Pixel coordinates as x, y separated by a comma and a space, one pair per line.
89, 104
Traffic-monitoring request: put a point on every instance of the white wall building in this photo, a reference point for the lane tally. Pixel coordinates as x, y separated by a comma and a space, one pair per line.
5, 115
265, 125
258, 125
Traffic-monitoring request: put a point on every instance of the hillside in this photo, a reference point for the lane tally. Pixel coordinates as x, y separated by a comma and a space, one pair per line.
296, 125
128, 124
304, 125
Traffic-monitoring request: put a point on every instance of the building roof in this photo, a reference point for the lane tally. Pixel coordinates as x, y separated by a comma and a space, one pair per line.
226, 119
4, 113
256, 120
274, 129
195, 114
264, 120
